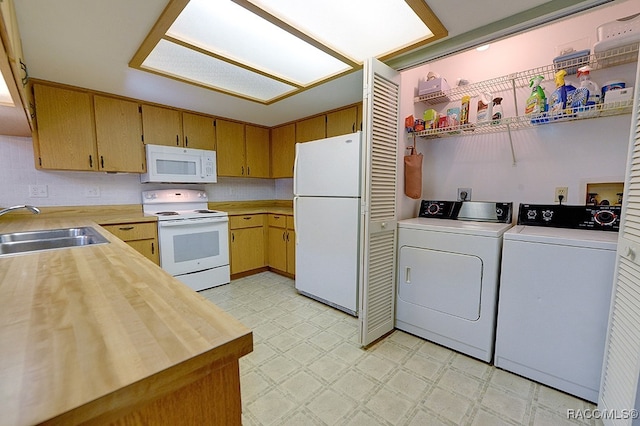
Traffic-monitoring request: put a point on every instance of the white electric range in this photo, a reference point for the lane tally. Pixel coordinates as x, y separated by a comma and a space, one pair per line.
193, 240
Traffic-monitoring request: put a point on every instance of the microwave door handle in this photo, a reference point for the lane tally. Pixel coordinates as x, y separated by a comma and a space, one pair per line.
202, 167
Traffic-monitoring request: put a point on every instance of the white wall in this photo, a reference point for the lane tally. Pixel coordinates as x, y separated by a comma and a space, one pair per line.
565, 154
17, 172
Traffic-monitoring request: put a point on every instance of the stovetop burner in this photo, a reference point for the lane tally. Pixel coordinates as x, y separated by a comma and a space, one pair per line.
167, 213
205, 211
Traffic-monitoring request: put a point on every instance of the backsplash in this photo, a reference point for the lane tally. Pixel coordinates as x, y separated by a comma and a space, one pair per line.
18, 173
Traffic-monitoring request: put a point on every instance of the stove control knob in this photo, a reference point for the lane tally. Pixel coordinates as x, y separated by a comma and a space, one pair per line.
433, 208
531, 214
202, 194
547, 215
604, 217
150, 195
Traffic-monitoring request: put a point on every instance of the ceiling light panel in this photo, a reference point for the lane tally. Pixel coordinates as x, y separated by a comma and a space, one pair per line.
231, 31
190, 65
361, 29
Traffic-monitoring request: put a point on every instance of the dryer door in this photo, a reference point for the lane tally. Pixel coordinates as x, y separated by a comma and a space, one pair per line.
446, 282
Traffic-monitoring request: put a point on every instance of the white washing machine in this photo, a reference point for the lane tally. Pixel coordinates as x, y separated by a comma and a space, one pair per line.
555, 294
448, 274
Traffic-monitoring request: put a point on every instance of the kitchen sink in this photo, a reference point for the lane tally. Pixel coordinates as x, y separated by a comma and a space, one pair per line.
49, 239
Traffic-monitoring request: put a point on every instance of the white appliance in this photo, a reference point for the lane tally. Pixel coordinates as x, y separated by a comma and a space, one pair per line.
171, 164
193, 240
555, 294
448, 274
328, 214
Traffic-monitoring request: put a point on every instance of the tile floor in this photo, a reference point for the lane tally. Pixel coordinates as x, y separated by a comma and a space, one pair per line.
308, 369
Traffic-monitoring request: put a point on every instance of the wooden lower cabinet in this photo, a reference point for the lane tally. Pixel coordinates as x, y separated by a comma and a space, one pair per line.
282, 240
247, 243
141, 236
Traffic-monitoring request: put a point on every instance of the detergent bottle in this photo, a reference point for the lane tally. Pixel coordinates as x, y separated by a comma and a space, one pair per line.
485, 108
560, 96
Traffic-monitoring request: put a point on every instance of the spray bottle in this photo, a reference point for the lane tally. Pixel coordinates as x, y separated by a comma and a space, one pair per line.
537, 101
560, 96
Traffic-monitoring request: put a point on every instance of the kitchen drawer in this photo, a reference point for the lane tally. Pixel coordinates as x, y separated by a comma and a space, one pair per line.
246, 221
278, 220
133, 231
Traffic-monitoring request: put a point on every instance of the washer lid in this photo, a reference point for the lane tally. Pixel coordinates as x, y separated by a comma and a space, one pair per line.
485, 229
563, 236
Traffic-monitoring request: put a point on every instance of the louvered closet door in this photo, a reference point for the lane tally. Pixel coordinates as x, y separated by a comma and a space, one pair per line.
620, 379
381, 105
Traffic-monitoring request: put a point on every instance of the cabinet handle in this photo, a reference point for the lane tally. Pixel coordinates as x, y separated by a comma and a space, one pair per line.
283, 235
101, 162
242, 170
186, 141
353, 127
287, 237
126, 228
24, 79
90, 161
153, 248
248, 171
178, 140
233, 237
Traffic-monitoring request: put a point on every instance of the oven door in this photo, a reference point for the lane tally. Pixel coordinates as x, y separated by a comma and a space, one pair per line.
192, 245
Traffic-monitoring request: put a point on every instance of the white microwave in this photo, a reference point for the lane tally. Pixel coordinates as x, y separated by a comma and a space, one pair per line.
171, 164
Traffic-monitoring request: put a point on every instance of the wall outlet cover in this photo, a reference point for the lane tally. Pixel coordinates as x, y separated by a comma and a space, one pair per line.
464, 194
38, 191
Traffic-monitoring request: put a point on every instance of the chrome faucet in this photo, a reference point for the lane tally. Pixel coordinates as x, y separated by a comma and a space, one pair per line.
32, 209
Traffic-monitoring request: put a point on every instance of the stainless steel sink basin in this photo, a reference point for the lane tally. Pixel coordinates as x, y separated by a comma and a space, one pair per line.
49, 239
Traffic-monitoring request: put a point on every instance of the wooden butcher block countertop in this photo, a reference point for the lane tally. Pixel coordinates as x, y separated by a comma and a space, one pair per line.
87, 333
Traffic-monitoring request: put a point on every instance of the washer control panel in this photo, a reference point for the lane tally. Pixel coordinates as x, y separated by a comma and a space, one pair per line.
604, 218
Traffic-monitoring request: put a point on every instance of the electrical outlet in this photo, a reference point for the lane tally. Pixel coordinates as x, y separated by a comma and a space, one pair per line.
92, 191
38, 191
561, 191
464, 194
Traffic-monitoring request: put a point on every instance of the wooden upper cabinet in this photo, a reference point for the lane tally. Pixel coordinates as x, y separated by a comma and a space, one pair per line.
230, 151
283, 147
161, 126
65, 136
342, 122
199, 131
257, 151
119, 135
311, 129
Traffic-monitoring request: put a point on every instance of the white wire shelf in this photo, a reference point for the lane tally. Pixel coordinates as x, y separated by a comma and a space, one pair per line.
526, 121
613, 57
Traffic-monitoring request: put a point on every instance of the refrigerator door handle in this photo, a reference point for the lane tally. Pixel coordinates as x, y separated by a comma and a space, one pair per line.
295, 218
407, 275
295, 177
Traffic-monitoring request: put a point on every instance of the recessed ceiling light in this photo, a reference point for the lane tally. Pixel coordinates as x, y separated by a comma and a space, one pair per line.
483, 48
266, 50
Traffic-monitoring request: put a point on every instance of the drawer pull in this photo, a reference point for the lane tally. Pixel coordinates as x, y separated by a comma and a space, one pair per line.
126, 228
247, 218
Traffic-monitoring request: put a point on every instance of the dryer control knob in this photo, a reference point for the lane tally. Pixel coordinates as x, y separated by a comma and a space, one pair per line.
547, 215
531, 214
433, 208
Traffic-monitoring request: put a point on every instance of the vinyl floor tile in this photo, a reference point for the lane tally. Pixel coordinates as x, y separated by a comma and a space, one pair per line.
307, 369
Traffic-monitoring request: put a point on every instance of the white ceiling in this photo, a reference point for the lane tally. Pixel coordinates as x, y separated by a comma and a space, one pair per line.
89, 43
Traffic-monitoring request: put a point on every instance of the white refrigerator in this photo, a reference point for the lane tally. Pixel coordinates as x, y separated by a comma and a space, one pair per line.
327, 187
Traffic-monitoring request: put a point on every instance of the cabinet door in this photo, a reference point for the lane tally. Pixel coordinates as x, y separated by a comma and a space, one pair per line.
230, 148
199, 131
283, 150
148, 248
119, 135
311, 129
278, 248
247, 249
342, 122
257, 151
161, 126
66, 138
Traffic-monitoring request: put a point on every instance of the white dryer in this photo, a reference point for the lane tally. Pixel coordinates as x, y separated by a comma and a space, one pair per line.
448, 274
555, 294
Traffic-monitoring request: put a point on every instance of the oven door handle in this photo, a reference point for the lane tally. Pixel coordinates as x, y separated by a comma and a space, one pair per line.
192, 222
